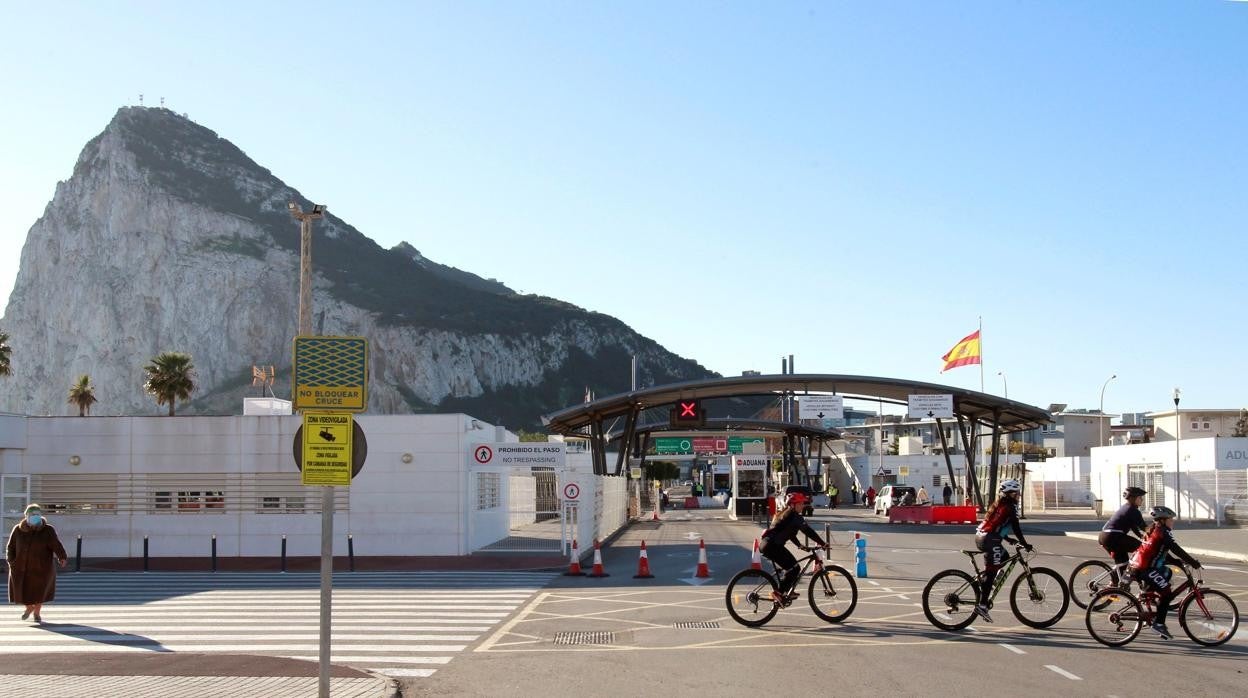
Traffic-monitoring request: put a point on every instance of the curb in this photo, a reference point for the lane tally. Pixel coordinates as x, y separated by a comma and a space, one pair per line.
1238, 557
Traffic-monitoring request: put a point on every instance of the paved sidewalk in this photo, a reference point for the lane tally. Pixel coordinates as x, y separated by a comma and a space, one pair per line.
170, 675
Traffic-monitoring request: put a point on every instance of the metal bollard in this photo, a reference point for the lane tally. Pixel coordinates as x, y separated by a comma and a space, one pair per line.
214, 552
78, 556
145, 566
283, 553
350, 552
861, 555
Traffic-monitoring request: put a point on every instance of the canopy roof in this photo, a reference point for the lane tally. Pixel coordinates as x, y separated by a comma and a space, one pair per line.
744, 425
1010, 415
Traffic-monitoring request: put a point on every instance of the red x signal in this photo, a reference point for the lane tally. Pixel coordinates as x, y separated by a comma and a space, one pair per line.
688, 413
689, 409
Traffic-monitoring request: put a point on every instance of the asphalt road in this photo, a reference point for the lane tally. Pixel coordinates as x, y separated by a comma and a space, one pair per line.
672, 635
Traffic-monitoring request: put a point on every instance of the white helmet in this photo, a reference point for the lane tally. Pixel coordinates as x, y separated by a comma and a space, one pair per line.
1010, 485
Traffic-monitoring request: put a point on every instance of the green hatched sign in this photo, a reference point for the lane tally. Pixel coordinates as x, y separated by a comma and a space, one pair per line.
331, 374
676, 445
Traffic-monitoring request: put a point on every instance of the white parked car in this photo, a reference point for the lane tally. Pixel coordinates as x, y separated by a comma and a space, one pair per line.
891, 495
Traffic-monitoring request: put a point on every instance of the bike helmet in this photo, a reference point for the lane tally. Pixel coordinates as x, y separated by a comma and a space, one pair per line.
1160, 512
1133, 492
1010, 485
798, 499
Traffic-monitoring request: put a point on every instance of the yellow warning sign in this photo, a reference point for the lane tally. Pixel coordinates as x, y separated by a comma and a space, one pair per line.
326, 448
330, 373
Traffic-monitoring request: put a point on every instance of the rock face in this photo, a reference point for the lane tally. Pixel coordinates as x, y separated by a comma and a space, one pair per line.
169, 238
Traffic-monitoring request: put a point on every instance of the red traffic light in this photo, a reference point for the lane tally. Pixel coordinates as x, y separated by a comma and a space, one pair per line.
688, 413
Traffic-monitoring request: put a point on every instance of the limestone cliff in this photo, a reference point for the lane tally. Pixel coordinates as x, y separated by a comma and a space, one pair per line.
168, 237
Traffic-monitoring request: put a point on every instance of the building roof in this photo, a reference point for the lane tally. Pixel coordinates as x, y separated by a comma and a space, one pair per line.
1011, 415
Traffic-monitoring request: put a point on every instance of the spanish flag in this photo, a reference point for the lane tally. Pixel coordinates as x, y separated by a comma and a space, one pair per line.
963, 353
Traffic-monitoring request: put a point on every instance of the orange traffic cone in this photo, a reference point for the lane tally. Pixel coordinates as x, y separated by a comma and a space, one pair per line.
597, 571
703, 570
643, 564
756, 560
655, 517
574, 566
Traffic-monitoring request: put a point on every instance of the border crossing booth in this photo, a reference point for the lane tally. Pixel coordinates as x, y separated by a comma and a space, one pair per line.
749, 483
721, 478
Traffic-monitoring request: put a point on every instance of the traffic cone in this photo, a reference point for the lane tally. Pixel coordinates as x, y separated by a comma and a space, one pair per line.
597, 571
703, 570
655, 516
643, 564
574, 566
756, 560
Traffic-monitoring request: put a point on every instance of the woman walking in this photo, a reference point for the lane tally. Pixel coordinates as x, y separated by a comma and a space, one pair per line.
32, 546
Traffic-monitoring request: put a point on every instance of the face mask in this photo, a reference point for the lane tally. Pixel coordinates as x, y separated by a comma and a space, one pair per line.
34, 519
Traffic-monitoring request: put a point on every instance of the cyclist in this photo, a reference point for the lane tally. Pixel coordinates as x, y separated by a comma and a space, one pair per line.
1149, 564
1115, 536
1002, 515
784, 528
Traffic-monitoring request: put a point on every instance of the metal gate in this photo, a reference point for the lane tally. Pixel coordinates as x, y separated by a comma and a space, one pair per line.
1149, 477
515, 509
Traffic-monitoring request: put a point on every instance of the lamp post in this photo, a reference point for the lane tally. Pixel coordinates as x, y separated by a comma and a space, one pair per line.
1178, 466
1100, 429
1005, 387
327, 493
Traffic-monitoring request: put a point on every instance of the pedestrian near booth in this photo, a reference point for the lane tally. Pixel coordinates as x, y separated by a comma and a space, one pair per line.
853, 493
924, 497
32, 546
832, 494
869, 497
947, 494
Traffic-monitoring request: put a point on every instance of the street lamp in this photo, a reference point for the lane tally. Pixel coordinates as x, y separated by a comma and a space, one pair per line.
327, 493
1178, 472
1100, 429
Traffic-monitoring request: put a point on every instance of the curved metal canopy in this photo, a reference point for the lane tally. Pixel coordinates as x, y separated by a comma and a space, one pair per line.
1011, 416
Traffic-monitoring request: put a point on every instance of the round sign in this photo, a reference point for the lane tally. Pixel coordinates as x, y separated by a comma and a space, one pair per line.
571, 490
359, 448
483, 454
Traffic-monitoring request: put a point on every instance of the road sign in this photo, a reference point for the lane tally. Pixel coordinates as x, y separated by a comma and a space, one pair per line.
523, 454
820, 407
937, 406
330, 373
327, 448
672, 445
571, 490
635, 473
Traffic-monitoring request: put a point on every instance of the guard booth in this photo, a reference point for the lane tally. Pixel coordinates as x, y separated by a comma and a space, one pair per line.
749, 483
721, 478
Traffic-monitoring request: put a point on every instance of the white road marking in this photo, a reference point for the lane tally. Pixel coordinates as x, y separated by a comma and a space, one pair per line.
1062, 672
405, 673
873, 582
1012, 648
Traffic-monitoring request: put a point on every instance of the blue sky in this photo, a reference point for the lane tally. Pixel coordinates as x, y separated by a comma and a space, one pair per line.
851, 183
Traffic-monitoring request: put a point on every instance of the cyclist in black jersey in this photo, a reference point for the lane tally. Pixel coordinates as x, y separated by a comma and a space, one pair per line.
1116, 535
785, 526
1002, 515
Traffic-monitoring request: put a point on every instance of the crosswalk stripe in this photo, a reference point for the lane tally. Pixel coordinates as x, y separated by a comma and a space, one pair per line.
423, 618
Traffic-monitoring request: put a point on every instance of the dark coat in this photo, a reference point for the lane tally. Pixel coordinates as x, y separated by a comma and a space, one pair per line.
32, 576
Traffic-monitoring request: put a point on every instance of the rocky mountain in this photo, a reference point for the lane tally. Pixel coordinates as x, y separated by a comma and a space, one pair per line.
168, 237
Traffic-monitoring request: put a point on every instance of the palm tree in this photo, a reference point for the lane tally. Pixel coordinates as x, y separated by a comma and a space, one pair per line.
82, 394
170, 377
5, 351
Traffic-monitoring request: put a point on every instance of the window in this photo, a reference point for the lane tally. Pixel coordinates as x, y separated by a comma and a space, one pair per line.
188, 500
488, 491
214, 499
270, 505
162, 500
935, 481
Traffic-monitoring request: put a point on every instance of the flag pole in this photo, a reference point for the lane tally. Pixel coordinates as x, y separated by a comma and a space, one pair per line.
981, 353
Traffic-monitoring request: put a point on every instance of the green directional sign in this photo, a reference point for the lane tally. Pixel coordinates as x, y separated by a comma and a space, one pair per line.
685, 445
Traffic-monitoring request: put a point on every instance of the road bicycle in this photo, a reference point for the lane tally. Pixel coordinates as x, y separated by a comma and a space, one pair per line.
832, 592
1038, 598
1208, 616
1090, 577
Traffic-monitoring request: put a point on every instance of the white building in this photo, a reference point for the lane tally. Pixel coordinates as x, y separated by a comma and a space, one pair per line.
181, 480
1197, 477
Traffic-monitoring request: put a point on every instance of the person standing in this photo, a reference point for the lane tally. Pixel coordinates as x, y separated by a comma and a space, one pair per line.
947, 494
923, 496
32, 546
853, 493
869, 496
833, 493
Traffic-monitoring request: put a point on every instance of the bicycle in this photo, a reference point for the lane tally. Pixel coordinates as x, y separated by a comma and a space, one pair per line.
1208, 616
950, 596
833, 595
1090, 577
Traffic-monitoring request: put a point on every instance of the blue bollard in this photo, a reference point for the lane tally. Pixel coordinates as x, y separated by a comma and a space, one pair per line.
861, 555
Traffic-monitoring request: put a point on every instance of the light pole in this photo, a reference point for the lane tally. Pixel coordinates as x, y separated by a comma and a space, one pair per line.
327, 493
1178, 466
1005, 387
1100, 429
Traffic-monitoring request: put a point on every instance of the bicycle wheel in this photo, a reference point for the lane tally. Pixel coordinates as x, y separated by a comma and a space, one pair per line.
833, 594
1039, 599
1089, 577
749, 598
1114, 617
949, 600
1209, 617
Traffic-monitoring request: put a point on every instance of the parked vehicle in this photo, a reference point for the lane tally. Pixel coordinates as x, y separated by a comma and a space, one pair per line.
892, 495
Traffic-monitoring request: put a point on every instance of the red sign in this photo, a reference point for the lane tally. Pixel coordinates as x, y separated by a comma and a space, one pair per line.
709, 444
483, 454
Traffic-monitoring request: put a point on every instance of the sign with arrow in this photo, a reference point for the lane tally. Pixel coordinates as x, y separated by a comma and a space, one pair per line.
938, 406
820, 407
